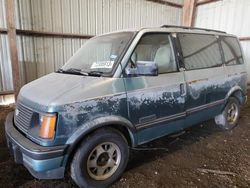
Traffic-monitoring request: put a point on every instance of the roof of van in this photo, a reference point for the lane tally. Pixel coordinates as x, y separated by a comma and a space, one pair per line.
177, 29
192, 28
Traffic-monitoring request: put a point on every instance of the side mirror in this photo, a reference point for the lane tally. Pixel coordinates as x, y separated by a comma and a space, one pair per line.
143, 68
133, 59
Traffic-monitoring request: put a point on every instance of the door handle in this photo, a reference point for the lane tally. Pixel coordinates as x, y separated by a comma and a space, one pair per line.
182, 89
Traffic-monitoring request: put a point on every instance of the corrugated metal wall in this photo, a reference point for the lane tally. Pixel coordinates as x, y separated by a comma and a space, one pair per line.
41, 55
5, 65
92, 16
231, 16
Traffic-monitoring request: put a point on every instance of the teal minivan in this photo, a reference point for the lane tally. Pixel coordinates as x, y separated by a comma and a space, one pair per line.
120, 90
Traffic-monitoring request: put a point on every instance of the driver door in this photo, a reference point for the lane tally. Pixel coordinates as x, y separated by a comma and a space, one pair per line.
155, 103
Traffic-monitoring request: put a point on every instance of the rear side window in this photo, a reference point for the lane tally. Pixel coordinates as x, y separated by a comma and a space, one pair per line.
232, 51
200, 51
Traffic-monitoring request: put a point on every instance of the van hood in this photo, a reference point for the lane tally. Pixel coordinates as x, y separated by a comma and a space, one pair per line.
58, 89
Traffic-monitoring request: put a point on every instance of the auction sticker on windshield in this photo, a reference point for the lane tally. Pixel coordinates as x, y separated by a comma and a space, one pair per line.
102, 65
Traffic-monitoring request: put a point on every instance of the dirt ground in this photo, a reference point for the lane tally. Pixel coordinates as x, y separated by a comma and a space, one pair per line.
173, 161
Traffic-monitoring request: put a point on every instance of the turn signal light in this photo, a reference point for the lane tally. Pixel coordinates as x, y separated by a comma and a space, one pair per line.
48, 124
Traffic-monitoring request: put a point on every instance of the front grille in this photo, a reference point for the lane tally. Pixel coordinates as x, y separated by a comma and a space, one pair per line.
23, 117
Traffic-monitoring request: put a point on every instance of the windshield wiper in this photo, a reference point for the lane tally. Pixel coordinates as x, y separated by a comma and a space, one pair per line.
73, 71
95, 73
80, 72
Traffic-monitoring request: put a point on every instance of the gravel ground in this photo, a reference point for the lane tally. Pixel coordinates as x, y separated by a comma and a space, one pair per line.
202, 156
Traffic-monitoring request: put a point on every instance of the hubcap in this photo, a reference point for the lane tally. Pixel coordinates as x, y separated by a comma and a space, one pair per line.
232, 113
103, 161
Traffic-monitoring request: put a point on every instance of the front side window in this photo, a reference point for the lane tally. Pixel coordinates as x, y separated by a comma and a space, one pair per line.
99, 54
154, 48
200, 51
232, 51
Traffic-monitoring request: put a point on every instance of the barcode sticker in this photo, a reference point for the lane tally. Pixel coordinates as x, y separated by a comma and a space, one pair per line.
102, 65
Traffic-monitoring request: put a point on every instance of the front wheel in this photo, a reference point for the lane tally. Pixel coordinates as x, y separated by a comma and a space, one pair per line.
229, 118
100, 160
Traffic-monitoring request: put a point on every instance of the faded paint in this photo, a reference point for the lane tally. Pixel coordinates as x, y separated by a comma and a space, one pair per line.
61, 89
77, 99
148, 106
84, 102
213, 84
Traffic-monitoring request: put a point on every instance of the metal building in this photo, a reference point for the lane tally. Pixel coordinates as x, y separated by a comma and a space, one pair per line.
50, 31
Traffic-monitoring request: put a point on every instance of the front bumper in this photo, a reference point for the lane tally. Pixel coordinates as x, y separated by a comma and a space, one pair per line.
42, 162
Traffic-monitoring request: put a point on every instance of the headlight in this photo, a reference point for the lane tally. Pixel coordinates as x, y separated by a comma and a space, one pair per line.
48, 124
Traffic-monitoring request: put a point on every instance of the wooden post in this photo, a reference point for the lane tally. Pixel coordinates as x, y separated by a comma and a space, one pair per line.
188, 14
11, 27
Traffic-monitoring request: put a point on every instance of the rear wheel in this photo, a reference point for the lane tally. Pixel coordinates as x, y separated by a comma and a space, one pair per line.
229, 118
100, 160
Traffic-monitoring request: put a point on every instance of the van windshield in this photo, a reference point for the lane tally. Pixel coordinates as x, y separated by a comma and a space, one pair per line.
98, 55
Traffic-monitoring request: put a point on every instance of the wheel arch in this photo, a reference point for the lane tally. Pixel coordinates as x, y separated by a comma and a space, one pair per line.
238, 93
120, 124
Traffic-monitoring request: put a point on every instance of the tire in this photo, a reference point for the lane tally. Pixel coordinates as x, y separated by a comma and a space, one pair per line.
93, 164
229, 118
